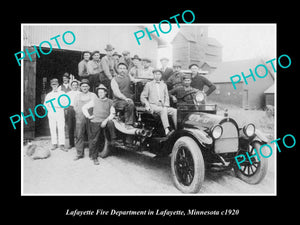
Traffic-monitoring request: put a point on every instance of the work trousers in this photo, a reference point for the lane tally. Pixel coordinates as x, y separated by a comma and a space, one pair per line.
71, 124
82, 130
106, 82
57, 121
94, 80
128, 108
163, 113
97, 138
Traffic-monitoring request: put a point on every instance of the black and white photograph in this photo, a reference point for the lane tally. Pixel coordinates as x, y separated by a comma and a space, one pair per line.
149, 109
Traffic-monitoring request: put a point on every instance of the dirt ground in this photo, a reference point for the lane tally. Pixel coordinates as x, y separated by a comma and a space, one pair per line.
129, 173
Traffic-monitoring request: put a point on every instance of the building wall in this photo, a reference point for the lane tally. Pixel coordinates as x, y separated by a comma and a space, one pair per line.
226, 94
256, 90
93, 37
180, 51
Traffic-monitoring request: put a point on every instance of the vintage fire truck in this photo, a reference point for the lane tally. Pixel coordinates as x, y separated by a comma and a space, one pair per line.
202, 141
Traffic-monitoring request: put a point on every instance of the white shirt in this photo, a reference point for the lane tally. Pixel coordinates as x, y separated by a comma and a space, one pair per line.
72, 94
54, 103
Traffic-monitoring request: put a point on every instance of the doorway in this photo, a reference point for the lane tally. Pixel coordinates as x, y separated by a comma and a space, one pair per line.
54, 65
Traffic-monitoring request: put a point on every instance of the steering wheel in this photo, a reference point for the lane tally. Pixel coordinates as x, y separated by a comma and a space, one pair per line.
188, 94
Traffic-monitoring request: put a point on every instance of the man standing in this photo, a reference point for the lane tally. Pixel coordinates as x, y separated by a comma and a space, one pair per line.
55, 116
147, 70
82, 65
65, 87
116, 57
199, 81
70, 112
94, 68
135, 71
107, 64
103, 113
120, 86
126, 59
82, 123
166, 71
156, 99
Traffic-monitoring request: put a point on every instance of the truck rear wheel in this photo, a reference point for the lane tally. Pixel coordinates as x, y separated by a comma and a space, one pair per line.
187, 165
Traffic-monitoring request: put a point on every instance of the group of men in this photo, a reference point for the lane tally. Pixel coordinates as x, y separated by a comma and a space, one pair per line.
104, 86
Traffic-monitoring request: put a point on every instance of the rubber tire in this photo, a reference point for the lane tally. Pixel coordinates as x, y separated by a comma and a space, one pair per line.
199, 166
261, 171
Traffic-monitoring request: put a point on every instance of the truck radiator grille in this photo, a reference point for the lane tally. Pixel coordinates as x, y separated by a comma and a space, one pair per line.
229, 141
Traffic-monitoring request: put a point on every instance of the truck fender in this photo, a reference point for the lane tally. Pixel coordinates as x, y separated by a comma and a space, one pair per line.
200, 135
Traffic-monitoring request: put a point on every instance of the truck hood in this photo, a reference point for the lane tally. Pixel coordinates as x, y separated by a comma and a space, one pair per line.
202, 120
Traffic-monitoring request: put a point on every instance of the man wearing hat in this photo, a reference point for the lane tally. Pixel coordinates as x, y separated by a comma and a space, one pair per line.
179, 93
147, 69
65, 86
56, 116
126, 59
123, 95
199, 81
167, 71
94, 68
155, 96
82, 123
175, 79
135, 71
108, 67
100, 121
116, 57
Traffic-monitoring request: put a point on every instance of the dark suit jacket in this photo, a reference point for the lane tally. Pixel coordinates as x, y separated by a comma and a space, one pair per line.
166, 74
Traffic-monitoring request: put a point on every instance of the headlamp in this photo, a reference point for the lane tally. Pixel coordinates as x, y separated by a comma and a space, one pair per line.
216, 131
249, 130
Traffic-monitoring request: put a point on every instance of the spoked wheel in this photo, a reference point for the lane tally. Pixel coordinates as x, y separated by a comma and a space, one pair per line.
187, 165
252, 172
184, 166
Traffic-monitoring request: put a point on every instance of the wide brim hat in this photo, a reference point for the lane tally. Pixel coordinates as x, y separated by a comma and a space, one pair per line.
101, 86
66, 75
176, 65
94, 52
194, 64
54, 81
146, 60
109, 47
126, 52
164, 58
84, 81
136, 57
116, 53
186, 76
157, 70
77, 81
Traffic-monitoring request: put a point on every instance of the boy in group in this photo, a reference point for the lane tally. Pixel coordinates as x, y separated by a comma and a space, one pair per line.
56, 116
103, 113
156, 99
82, 123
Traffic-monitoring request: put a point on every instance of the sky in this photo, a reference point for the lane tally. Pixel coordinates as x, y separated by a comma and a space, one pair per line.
239, 41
